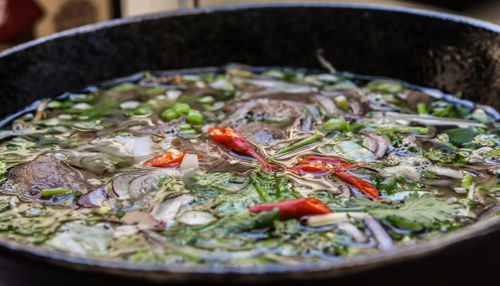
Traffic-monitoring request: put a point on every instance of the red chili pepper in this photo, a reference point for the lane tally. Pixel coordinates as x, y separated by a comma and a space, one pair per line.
297, 208
330, 160
172, 158
233, 140
313, 168
318, 168
363, 186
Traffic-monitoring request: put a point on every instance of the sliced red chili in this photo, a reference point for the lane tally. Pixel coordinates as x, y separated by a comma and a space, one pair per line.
171, 158
234, 141
297, 208
361, 185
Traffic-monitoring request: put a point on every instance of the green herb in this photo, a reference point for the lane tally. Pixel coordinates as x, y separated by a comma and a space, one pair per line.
404, 129
56, 191
301, 143
334, 124
424, 210
429, 175
467, 181
421, 108
119, 214
460, 136
387, 86
342, 103
440, 156
195, 117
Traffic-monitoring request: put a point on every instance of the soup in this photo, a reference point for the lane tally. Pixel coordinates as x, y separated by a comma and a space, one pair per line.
242, 166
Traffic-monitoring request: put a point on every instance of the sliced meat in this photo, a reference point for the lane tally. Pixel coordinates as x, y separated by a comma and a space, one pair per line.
261, 133
414, 97
264, 107
45, 172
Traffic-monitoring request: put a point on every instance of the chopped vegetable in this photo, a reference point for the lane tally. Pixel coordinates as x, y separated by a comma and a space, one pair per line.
301, 143
172, 158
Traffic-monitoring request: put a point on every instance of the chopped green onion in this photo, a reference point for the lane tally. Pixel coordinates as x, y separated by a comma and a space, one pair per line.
404, 129
168, 114
467, 181
181, 108
342, 103
184, 127
195, 117
54, 104
335, 124
55, 191
206, 99
188, 132
278, 120
301, 143
421, 108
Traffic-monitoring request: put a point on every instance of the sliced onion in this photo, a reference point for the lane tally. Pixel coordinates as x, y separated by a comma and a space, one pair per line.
137, 184
383, 238
319, 220
190, 161
447, 172
167, 211
353, 231
196, 218
120, 185
94, 199
377, 143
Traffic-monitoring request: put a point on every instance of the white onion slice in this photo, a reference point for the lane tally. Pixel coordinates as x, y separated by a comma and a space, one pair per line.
167, 211
353, 231
196, 218
190, 161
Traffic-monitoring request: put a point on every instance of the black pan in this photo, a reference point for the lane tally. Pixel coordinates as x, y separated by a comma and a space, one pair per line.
430, 49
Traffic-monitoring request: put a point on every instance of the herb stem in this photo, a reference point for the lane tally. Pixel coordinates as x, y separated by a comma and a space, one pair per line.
301, 143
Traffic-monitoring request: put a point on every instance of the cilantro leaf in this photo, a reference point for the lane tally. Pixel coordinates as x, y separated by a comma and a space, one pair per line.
425, 210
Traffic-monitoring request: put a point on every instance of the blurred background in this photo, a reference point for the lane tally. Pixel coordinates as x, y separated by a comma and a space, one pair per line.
24, 20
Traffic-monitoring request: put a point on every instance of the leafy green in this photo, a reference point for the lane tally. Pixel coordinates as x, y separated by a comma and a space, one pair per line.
425, 210
397, 184
272, 188
460, 136
440, 156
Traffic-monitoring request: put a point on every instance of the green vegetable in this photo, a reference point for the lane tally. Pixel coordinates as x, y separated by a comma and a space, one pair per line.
121, 213
388, 86
54, 104
424, 210
421, 108
188, 132
460, 136
342, 103
334, 124
467, 181
278, 120
195, 117
168, 114
181, 108
301, 143
56, 191
402, 223
404, 129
